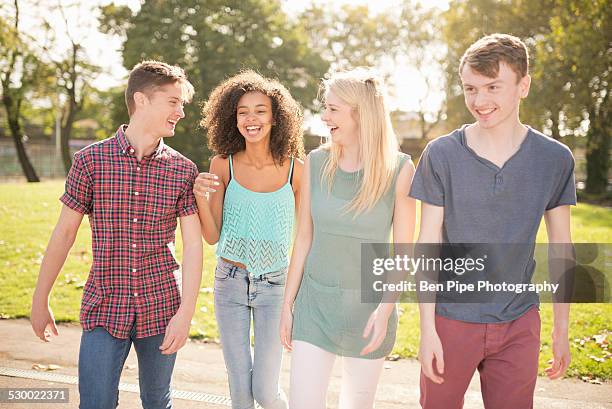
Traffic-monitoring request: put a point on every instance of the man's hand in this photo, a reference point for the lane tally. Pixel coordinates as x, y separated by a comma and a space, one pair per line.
41, 318
561, 354
177, 333
430, 349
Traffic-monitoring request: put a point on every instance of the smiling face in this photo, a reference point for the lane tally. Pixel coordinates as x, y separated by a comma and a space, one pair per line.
254, 117
161, 109
494, 101
341, 120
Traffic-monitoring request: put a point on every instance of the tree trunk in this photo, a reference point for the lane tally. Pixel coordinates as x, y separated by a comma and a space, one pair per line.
597, 156
554, 129
65, 133
22, 155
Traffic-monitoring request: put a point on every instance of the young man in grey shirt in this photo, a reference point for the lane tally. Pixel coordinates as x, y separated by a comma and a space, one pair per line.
491, 182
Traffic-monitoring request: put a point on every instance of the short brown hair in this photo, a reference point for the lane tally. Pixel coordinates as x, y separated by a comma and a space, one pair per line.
485, 55
147, 76
219, 116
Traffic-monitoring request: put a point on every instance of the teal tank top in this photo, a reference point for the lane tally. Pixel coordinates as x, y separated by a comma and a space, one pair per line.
257, 226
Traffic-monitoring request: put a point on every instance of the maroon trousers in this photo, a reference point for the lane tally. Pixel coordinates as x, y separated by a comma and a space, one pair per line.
505, 354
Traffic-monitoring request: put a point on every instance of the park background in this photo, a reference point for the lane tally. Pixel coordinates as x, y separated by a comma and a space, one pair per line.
63, 66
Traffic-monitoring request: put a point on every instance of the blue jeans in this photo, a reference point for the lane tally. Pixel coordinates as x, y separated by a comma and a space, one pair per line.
101, 360
238, 296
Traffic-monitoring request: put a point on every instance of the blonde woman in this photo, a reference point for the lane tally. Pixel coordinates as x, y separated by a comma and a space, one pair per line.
354, 190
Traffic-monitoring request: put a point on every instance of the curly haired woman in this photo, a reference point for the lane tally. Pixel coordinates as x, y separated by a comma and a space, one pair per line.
247, 206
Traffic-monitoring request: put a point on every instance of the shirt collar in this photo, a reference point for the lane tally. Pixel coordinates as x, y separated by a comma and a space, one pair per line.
126, 148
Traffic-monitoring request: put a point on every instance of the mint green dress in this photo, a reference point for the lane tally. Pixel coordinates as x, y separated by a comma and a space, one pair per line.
328, 311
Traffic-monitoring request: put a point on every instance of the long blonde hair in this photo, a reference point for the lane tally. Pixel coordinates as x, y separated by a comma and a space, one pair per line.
364, 91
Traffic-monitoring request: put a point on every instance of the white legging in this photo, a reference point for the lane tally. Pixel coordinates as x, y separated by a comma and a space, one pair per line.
311, 369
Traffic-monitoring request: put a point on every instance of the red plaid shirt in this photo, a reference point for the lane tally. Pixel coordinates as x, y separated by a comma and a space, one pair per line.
133, 208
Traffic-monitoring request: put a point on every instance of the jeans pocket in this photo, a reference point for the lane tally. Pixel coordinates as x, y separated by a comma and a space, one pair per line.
221, 273
276, 278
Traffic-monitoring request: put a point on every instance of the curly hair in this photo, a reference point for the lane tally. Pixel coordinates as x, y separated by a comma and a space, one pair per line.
219, 116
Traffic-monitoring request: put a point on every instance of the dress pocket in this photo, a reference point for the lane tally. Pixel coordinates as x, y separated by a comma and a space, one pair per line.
324, 306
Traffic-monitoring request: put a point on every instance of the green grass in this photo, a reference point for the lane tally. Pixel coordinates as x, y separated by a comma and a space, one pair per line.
29, 213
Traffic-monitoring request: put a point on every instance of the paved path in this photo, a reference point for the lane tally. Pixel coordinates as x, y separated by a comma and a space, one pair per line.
199, 368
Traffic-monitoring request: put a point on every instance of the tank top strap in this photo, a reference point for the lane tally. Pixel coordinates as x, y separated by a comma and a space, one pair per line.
290, 171
231, 167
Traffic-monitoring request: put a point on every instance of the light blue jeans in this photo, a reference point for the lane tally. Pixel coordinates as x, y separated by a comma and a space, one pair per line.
101, 360
238, 297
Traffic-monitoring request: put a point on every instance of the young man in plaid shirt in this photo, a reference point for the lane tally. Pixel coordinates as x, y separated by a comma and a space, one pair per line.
133, 187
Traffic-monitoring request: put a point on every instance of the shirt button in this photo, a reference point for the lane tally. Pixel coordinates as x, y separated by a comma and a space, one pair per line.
136, 294
133, 270
135, 220
136, 193
133, 246
131, 150
138, 168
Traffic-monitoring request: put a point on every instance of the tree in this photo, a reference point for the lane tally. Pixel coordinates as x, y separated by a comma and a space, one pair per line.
421, 44
74, 74
106, 108
408, 35
464, 22
351, 37
20, 69
212, 40
570, 48
580, 46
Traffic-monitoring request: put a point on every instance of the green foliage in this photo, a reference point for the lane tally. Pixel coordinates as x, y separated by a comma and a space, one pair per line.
580, 41
212, 40
571, 63
107, 108
351, 37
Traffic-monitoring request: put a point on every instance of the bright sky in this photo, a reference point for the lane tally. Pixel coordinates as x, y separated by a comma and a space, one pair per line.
405, 85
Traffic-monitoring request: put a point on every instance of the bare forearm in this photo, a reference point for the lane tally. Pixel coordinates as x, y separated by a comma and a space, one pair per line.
427, 238
192, 276
59, 246
301, 248
209, 224
561, 316
427, 314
